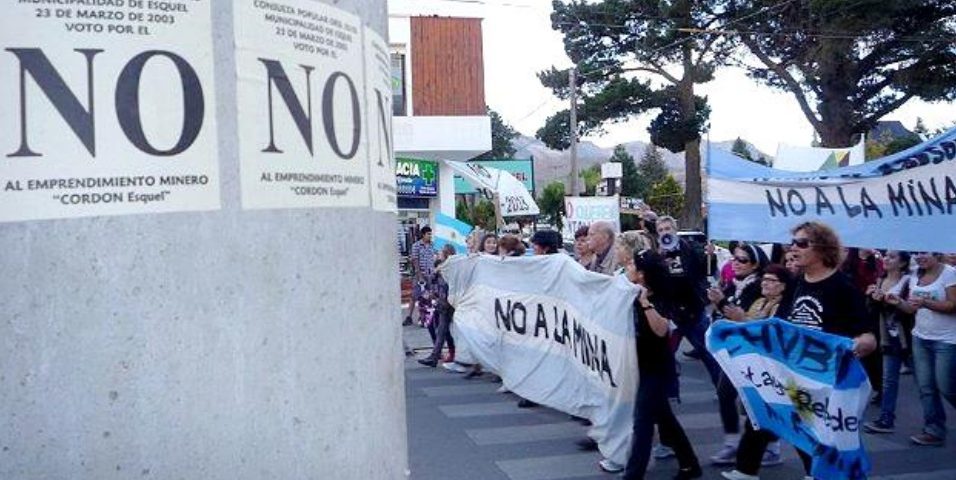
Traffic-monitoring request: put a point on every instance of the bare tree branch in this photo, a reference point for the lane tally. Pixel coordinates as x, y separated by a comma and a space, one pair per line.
886, 109
788, 79
660, 71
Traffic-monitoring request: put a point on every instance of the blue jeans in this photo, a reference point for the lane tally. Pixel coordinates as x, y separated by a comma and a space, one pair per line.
891, 386
935, 364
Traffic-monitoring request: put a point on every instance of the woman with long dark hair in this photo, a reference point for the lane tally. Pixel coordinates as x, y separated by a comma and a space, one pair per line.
895, 326
737, 296
653, 313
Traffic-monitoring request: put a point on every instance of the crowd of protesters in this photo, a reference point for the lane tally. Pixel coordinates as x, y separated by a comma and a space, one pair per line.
899, 309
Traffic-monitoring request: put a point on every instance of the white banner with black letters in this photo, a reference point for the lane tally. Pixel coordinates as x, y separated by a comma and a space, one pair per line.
556, 333
314, 101
106, 108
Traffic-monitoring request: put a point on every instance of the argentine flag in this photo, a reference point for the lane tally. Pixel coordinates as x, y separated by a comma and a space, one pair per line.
804, 385
452, 232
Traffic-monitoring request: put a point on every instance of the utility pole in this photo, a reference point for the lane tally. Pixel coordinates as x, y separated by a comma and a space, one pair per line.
573, 83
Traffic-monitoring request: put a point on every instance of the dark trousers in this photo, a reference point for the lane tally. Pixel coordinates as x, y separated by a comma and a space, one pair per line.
441, 335
652, 408
727, 399
753, 444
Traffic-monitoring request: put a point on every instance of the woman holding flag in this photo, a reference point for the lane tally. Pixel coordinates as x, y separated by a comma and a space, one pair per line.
824, 299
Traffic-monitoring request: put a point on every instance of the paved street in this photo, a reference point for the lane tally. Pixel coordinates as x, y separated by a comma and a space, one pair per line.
462, 429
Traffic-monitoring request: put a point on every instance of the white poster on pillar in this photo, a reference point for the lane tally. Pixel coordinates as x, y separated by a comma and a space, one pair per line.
302, 111
106, 108
378, 81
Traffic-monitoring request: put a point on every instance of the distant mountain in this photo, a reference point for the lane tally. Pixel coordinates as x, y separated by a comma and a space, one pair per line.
551, 165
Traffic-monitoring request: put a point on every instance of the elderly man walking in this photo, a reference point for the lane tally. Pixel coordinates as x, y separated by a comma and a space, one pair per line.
601, 241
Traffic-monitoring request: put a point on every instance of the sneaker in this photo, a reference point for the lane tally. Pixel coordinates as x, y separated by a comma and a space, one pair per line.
927, 440
735, 475
662, 451
408, 321
609, 466
525, 403
770, 459
502, 389
878, 426
454, 367
429, 362
726, 456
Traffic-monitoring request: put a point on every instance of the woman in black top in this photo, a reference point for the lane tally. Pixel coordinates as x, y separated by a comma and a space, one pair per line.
823, 299
653, 312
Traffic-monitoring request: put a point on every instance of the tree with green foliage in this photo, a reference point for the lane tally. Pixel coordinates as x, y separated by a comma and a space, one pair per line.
610, 42
630, 178
666, 197
462, 212
502, 135
551, 204
740, 149
483, 215
651, 170
848, 64
591, 177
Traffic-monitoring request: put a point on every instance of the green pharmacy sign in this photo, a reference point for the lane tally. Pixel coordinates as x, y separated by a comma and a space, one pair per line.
416, 178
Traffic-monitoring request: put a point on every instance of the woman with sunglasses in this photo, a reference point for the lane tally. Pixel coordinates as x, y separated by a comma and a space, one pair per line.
737, 296
895, 324
824, 299
932, 299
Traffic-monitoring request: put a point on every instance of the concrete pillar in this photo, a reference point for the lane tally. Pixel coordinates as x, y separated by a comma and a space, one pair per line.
229, 344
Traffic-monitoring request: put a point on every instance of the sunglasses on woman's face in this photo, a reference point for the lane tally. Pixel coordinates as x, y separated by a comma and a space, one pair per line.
800, 242
742, 260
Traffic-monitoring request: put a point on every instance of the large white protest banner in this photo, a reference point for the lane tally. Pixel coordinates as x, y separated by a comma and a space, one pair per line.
583, 211
112, 114
804, 385
307, 135
892, 202
557, 335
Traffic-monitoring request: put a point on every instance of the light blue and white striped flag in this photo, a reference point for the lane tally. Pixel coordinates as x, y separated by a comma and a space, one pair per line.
804, 385
451, 231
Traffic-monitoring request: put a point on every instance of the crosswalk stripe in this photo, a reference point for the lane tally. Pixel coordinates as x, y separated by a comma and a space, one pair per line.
526, 433
470, 389
544, 468
483, 409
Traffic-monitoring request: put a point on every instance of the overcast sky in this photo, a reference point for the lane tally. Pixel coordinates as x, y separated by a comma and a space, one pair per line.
519, 42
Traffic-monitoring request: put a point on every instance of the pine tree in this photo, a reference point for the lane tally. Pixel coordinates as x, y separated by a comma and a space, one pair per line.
740, 149
630, 179
651, 170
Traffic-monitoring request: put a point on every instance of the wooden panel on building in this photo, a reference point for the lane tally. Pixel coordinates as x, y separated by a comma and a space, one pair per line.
448, 74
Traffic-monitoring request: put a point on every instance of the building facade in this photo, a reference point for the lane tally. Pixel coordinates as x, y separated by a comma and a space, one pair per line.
438, 107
